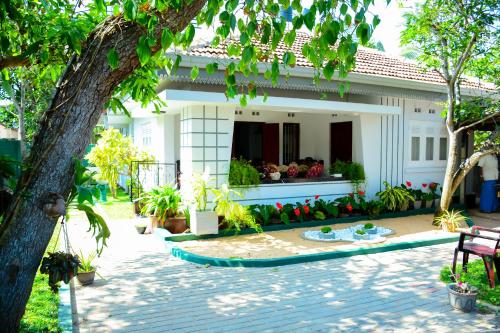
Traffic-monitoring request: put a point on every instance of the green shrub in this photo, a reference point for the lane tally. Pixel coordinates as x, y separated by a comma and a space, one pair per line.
475, 276
242, 173
326, 230
352, 171
162, 202
393, 197
369, 226
360, 232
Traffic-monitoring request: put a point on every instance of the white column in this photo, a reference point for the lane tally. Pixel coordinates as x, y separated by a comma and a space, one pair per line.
206, 137
370, 146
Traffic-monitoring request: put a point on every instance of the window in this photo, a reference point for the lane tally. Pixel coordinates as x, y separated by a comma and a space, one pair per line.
291, 142
443, 149
429, 149
146, 134
415, 148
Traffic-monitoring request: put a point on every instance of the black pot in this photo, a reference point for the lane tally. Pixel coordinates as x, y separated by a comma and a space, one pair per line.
140, 229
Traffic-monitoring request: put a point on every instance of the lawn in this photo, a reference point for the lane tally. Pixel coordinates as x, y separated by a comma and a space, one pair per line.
119, 208
476, 276
42, 309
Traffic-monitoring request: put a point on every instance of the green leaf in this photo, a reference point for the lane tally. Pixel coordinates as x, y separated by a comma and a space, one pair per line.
143, 50
166, 39
243, 100
112, 58
100, 5
194, 72
328, 70
343, 9
376, 21
309, 19
247, 54
130, 9
211, 68
189, 34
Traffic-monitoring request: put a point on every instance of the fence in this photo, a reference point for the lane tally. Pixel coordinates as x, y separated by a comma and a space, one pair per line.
146, 175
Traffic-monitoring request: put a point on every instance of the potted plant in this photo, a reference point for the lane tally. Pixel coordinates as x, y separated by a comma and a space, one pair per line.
275, 175
293, 170
394, 197
427, 199
461, 295
370, 228
162, 204
86, 271
361, 234
141, 228
450, 220
433, 189
337, 169
202, 221
374, 208
326, 233
60, 266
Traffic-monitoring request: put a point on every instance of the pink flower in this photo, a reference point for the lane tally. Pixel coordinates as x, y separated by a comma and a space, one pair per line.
316, 197
424, 185
361, 193
351, 195
307, 201
349, 207
408, 183
306, 209
279, 205
297, 212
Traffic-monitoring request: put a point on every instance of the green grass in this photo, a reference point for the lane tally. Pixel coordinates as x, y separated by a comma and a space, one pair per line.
476, 276
119, 208
42, 309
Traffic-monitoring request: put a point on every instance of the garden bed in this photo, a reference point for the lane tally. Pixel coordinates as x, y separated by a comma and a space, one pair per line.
290, 243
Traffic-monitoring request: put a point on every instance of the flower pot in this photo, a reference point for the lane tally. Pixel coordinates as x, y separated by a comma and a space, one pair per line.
404, 206
275, 175
85, 278
140, 229
417, 204
203, 222
328, 235
465, 302
337, 175
372, 231
175, 225
427, 204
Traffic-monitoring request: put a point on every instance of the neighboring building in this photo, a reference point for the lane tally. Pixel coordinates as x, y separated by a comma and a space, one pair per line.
389, 121
7, 133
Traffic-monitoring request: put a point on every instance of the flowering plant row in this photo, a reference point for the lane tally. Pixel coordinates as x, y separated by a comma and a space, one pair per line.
427, 192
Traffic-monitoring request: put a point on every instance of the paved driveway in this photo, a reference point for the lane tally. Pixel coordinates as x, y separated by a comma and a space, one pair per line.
147, 290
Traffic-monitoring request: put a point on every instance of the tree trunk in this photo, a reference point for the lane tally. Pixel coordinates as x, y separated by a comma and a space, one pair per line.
447, 192
21, 131
64, 132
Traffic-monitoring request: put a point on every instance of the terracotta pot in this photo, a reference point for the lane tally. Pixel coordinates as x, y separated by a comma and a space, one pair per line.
175, 225
85, 278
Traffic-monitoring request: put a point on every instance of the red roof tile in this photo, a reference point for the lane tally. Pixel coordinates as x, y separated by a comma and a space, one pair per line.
368, 61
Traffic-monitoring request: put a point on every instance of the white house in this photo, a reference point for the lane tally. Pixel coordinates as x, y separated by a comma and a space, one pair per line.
389, 120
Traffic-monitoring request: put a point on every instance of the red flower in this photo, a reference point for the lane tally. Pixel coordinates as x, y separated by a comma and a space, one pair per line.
351, 195
316, 197
306, 209
424, 185
349, 207
408, 183
279, 205
307, 200
297, 212
433, 186
361, 193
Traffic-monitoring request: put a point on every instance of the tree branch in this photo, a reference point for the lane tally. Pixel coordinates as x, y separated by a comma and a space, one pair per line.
460, 129
463, 57
14, 61
468, 164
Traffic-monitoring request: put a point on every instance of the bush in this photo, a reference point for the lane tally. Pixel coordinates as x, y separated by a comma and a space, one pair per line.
326, 230
242, 173
162, 202
393, 197
351, 171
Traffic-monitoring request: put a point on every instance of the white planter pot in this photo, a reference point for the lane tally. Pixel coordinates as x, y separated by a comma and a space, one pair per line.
417, 204
203, 222
428, 203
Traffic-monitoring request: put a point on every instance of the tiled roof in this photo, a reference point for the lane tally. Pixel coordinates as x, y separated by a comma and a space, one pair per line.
368, 62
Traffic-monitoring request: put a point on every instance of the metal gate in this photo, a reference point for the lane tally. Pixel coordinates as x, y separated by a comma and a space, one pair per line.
146, 175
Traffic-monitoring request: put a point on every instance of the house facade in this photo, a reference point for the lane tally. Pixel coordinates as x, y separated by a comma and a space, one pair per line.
389, 120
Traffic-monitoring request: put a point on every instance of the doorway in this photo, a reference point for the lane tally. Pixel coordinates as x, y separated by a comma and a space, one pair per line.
341, 141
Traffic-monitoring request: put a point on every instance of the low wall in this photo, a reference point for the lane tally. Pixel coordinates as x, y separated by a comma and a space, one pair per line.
284, 193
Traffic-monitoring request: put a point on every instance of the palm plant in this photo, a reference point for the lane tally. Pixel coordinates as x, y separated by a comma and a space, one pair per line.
162, 202
394, 197
450, 220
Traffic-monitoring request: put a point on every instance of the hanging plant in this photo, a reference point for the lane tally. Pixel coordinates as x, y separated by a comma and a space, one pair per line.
60, 266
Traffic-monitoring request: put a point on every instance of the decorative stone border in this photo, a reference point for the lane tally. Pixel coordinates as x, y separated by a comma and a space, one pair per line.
272, 262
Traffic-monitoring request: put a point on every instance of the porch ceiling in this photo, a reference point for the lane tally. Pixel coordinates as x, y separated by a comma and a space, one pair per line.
179, 98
